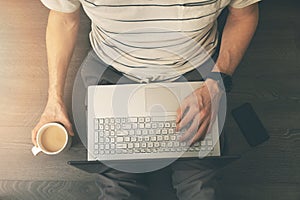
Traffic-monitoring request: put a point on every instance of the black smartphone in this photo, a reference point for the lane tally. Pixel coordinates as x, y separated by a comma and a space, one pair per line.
250, 125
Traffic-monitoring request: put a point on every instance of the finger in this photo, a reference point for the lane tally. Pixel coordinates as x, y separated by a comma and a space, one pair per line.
69, 127
34, 133
212, 121
181, 110
192, 129
201, 133
187, 118
33, 138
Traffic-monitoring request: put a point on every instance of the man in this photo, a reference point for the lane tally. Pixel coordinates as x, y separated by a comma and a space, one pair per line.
149, 41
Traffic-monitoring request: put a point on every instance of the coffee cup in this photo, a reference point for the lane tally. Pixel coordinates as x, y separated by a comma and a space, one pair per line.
52, 138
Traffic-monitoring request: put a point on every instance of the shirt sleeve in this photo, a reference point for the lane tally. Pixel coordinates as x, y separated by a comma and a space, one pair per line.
66, 6
242, 3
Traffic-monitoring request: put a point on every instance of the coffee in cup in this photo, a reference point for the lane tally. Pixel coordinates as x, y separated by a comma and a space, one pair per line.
52, 138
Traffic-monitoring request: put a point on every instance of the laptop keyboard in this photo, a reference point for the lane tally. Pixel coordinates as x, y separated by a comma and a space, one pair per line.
136, 135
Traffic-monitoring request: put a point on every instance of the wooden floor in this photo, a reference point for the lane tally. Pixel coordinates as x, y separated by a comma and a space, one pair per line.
268, 78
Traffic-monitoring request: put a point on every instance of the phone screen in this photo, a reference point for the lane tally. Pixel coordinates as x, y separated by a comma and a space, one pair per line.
250, 125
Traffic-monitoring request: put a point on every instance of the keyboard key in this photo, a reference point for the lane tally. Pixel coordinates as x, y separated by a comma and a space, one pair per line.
126, 126
147, 125
150, 144
131, 132
171, 131
121, 146
112, 120
159, 138
101, 121
147, 119
133, 119
130, 145
156, 144
145, 132
173, 137
147, 138
138, 132
106, 133
141, 126
136, 145
101, 133
134, 126
112, 133
164, 131
153, 138
122, 133
167, 125
120, 139
96, 124
209, 142
96, 137
118, 126
127, 139
154, 125
141, 119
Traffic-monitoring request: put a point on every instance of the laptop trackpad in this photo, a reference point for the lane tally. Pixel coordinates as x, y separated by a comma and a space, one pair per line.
162, 99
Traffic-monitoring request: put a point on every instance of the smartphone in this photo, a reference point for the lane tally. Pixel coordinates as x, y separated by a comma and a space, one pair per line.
250, 125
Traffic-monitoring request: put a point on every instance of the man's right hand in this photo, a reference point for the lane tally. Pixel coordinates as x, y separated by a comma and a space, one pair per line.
55, 111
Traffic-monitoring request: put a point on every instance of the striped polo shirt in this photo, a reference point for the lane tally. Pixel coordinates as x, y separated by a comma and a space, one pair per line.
152, 40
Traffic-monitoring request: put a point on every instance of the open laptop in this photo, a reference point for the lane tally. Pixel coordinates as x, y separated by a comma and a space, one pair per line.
137, 121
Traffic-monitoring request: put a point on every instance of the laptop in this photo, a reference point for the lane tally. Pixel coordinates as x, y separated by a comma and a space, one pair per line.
137, 122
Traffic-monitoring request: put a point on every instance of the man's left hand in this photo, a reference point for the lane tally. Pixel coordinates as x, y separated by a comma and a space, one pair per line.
197, 111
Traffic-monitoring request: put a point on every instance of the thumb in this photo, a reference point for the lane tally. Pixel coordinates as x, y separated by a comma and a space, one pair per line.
69, 128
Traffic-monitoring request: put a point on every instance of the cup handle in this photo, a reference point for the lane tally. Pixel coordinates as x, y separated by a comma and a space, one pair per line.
35, 150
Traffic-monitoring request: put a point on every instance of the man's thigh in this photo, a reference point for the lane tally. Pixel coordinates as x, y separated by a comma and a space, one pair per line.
114, 184
194, 179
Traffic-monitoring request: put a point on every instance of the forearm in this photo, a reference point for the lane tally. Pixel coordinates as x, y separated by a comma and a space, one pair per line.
238, 32
61, 36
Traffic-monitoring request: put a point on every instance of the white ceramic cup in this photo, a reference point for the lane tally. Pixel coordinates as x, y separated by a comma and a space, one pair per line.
40, 147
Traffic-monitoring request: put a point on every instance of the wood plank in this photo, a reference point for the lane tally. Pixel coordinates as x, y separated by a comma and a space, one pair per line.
50, 190
259, 191
18, 163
